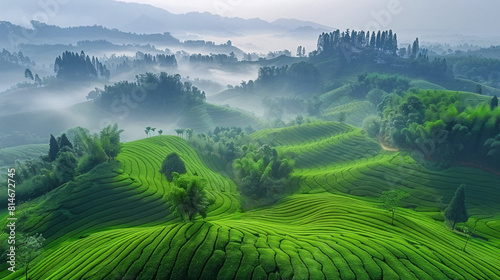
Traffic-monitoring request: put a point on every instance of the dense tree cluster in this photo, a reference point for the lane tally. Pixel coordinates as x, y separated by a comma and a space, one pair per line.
80, 67
222, 142
123, 63
15, 58
275, 54
481, 70
66, 159
380, 47
442, 127
381, 83
162, 60
155, 91
219, 59
261, 173
300, 78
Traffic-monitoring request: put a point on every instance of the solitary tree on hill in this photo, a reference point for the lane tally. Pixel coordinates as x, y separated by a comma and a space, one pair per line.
53, 148
110, 140
160, 132
38, 81
29, 248
479, 89
28, 74
188, 197
189, 132
171, 164
456, 212
415, 49
391, 200
299, 120
148, 129
494, 103
468, 233
341, 117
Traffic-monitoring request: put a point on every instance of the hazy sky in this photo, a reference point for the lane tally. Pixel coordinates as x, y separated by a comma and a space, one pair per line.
467, 17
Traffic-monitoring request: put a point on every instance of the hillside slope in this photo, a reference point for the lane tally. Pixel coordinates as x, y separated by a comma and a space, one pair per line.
114, 223
340, 159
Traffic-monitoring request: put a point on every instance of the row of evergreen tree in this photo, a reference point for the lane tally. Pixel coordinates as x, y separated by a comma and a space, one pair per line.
79, 66
220, 59
162, 60
330, 43
385, 42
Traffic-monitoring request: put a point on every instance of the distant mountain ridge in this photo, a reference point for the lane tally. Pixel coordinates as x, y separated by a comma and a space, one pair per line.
44, 33
297, 24
15, 37
146, 19
41, 33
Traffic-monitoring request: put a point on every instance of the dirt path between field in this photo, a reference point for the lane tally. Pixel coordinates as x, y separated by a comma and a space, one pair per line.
386, 147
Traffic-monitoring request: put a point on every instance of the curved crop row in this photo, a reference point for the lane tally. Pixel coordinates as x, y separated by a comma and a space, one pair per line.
321, 236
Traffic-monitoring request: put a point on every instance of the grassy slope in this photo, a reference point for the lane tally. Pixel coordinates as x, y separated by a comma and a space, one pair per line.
115, 223
340, 159
207, 116
339, 100
8, 156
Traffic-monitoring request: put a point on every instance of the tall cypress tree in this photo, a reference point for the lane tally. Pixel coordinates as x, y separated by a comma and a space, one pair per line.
456, 212
65, 142
372, 41
395, 44
494, 103
378, 42
53, 148
415, 49
479, 89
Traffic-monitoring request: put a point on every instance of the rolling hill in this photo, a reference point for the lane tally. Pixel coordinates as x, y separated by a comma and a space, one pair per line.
115, 222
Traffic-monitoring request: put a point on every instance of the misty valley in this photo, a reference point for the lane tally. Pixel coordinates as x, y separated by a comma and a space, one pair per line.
349, 154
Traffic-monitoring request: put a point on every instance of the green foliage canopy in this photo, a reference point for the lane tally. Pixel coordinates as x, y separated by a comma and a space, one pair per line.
260, 173
456, 212
391, 199
171, 165
188, 196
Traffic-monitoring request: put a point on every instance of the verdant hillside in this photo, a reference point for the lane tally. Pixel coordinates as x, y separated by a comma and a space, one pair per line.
340, 159
115, 222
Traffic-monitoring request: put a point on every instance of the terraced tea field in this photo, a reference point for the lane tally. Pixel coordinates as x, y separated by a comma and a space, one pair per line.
115, 223
348, 162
